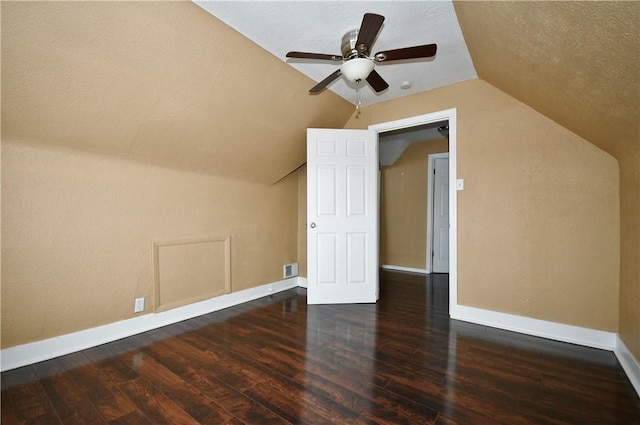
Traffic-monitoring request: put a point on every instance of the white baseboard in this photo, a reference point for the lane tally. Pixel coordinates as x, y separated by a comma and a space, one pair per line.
556, 331
542, 328
404, 269
302, 282
629, 363
22, 355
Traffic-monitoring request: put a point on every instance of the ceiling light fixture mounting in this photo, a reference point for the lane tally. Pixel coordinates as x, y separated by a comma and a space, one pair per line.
357, 64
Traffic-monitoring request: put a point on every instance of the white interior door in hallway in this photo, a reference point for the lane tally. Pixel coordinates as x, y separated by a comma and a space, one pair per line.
438, 220
440, 214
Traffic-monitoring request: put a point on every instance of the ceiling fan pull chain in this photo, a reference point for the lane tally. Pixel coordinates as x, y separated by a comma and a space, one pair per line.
359, 104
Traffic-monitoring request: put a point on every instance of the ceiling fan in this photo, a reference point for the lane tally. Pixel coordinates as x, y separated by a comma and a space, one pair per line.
357, 64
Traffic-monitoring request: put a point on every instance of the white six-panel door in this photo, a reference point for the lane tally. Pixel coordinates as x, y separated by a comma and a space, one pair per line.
342, 222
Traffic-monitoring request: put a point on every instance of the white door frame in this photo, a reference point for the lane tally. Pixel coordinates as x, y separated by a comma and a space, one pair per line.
431, 161
450, 115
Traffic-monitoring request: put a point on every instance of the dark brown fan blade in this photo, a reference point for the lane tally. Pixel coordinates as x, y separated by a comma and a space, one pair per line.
371, 24
425, 51
377, 82
324, 83
320, 56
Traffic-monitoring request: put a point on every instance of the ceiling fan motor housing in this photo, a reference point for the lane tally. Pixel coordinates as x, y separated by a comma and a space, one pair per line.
349, 48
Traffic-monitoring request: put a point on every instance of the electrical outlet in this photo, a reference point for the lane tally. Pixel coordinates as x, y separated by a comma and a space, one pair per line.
139, 306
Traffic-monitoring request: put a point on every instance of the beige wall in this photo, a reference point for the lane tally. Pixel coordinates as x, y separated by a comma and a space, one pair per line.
630, 248
186, 92
538, 221
302, 221
177, 117
77, 232
403, 206
596, 99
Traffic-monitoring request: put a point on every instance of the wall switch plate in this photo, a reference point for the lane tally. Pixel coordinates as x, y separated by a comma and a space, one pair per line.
139, 305
460, 184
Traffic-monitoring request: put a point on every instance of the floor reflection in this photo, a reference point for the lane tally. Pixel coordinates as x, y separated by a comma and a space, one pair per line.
278, 360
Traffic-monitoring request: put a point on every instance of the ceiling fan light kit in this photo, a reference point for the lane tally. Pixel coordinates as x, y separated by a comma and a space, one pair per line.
357, 69
357, 64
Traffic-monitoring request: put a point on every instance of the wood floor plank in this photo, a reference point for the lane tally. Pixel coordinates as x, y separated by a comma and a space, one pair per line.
28, 398
205, 380
369, 407
246, 409
193, 402
393, 409
303, 409
155, 405
8, 414
213, 361
69, 401
100, 388
256, 373
276, 360
439, 397
444, 420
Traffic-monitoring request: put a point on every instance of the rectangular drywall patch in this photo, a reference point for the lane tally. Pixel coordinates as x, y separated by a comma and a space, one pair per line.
190, 270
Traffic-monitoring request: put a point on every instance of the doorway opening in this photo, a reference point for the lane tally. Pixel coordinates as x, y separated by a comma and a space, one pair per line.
409, 157
434, 120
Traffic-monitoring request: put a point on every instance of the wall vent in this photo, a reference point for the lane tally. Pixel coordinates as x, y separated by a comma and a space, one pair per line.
290, 270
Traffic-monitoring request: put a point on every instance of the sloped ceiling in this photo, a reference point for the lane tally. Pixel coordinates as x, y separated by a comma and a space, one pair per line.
162, 83
167, 83
318, 26
578, 63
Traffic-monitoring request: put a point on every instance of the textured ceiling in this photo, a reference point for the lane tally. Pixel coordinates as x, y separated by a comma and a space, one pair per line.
318, 26
167, 83
578, 63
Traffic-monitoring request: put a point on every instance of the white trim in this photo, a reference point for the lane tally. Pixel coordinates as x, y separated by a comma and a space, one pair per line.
22, 355
451, 116
431, 165
556, 331
302, 282
628, 362
404, 269
536, 327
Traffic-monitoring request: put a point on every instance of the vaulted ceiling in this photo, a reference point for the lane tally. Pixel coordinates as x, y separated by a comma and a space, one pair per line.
318, 27
167, 83
578, 63
162, 83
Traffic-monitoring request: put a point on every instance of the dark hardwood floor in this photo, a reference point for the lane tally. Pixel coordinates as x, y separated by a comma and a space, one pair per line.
278, 361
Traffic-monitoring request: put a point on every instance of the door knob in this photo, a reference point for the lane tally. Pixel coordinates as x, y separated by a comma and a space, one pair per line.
313, 225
